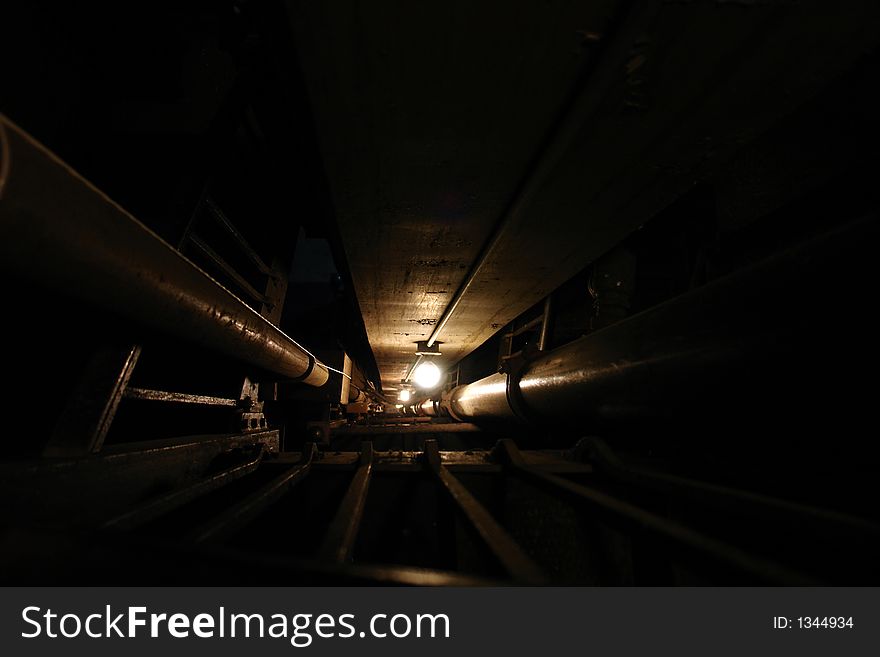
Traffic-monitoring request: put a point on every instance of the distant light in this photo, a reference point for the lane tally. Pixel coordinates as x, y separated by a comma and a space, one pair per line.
404, 395
427, 375
398, 406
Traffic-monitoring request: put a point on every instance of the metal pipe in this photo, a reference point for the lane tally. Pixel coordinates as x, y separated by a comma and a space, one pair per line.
634, 19
413, 367
422, 408
746, 335
528, 326
58, 229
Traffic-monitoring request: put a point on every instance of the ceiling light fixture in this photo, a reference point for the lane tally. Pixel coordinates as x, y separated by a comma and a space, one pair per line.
427, 375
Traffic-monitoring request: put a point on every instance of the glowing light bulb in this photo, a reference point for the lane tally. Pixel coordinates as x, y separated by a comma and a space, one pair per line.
427, 375
404, 395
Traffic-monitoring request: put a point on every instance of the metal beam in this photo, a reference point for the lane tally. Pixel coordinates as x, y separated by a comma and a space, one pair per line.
508, 553
341, 535
745, 503
421, 428
78, 241
243, 244
144, 394
669, 530
243, 512
89, 412
165, 503
228, 269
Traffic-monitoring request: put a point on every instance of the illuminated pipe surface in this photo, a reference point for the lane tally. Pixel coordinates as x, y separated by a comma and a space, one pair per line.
58, 229
715, 352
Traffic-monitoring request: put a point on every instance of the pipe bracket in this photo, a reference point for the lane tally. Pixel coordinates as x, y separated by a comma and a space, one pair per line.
514, 368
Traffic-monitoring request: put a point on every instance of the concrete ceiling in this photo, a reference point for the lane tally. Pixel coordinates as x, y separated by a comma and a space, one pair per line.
431, 116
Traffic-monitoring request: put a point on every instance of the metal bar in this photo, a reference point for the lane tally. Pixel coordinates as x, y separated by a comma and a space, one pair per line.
647, 521
346, 379
228, 269
525, 327
546, 318
143, 559
425, 427
80, 242
341, 535
161, 505
243, 512
692, 357
86, 419
246, 248
636, 17
177, 397
517, 564
193, 218
721, 496
413, 368
276, 293
453, 460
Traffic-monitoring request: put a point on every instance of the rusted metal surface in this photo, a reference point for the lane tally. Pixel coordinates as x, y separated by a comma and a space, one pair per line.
144, 394
78, 240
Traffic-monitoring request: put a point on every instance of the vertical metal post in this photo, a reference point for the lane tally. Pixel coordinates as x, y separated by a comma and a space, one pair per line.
346, 379
545, 323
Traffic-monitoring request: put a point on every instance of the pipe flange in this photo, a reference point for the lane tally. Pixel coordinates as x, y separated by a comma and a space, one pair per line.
305, 375
514, 369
